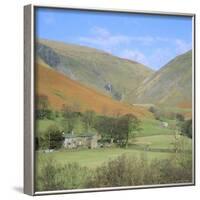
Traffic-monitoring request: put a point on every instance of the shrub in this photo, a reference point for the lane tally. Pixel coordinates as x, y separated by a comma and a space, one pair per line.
152, 109
47, 175
187, 128
44, 114
123, 171
127, 171
54, 176
53, 137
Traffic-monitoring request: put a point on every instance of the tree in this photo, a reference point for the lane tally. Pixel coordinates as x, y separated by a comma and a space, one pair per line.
70, 116
152, 109
44, 114
53, 137
89, 119
42, 108
187, 128
179, 117
127, 126
107, 127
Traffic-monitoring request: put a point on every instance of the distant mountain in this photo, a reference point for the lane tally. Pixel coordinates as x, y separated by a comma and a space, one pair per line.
62, 90
122, 79
172, 84
102, 71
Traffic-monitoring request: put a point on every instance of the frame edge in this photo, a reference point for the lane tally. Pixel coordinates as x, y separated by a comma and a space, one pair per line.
29, 97
28, 118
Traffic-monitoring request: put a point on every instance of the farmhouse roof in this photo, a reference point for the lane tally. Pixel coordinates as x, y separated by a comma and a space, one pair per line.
67, 135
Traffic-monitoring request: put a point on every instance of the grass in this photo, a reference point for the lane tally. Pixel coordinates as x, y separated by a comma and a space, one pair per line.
153, 127
95, 157
163, 141
160, 143
171, 84
85, 168
149, 126
42, 125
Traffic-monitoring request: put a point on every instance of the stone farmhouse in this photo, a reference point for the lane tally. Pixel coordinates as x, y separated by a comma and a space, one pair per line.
88, 140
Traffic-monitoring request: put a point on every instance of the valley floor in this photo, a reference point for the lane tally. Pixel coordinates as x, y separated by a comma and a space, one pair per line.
153, 147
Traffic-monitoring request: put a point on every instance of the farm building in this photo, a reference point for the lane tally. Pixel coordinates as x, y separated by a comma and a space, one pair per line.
164, 124
88, 140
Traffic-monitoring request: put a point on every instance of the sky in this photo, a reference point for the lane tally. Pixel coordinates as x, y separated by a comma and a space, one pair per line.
152, 40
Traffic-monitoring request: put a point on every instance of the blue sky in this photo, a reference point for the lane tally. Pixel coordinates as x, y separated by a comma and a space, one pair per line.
149, 39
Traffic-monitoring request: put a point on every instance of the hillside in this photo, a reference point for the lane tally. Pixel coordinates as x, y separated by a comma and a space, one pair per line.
171, 85
62, 90
102, 71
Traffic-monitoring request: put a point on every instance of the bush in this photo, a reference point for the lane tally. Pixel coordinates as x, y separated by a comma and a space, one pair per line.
123, 171
133, 171
186, 128
53, 137
152, 109
44, 114
53, 176
47, 178
119, 172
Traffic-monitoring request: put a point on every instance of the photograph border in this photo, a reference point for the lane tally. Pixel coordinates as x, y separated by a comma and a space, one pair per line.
29, 96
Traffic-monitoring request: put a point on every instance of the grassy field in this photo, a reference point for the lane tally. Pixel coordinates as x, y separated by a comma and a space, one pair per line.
149, 126
163, 141
153, 127
153, 140
42, 125
95, 157
154, 145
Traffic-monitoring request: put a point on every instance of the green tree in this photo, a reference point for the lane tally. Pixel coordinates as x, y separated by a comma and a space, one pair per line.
42, 110
127, 126
152, 109
53, 137
89, 118
106, 126
70, 116
179, 117
187, 128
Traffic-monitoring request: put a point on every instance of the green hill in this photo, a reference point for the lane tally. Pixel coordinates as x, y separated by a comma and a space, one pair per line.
122, 79
102, 71
172, 84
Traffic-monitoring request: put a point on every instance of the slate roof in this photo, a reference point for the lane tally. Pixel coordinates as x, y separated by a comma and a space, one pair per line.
69, 135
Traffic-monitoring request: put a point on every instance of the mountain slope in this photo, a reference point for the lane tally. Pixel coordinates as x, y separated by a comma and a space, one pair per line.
62, 90
172, 84
107, 73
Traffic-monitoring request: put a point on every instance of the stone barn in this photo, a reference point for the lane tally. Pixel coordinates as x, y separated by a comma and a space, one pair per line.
87, 140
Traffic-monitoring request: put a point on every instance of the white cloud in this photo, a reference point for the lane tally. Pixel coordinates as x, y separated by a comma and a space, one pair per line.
161, 49
162, 39
103, 38
102, 32
134, 55
182, 46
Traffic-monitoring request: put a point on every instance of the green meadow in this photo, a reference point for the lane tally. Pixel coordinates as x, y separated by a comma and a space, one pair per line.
153, 141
